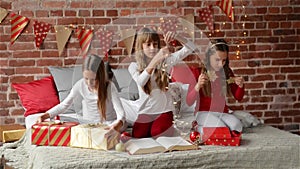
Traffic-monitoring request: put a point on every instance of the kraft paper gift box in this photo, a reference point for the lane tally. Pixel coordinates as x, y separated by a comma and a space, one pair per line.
219, 136
92, 136
10, 127
12, 135
53, 134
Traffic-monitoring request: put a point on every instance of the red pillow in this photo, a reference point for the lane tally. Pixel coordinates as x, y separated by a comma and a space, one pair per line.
37, 96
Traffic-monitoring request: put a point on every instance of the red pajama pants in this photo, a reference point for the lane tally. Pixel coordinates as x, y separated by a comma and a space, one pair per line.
153, 125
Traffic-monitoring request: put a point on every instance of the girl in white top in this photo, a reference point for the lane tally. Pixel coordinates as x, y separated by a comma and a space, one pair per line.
151, 115
100, 98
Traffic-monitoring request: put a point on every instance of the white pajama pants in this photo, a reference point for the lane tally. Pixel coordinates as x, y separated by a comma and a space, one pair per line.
216, 119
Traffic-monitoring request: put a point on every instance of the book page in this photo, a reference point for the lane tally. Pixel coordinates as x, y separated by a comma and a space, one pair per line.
175, 143
143, 146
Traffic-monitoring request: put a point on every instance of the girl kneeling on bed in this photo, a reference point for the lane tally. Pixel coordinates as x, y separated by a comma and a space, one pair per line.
214, 83
152, 114
100, 98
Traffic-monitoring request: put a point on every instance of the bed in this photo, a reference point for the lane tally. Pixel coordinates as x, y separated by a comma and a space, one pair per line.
261, 147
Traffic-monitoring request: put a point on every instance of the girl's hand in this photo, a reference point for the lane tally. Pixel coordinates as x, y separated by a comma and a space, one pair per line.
202, 79
169, 36
112, 132
239, 81
43, 117
159, 57
114, 127
163, 53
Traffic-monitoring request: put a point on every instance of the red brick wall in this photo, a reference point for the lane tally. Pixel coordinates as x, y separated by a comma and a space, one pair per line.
265, 34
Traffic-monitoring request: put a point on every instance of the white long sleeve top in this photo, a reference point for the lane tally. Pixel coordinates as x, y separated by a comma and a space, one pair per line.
91, 114
158, 101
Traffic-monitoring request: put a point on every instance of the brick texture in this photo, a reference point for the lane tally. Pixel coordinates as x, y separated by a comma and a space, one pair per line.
264, 43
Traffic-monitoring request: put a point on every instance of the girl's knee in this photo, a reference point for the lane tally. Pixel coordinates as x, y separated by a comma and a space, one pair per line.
141, 128
163, 125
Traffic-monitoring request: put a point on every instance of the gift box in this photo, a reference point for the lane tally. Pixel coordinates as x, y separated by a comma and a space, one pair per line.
9, 127
53, 134
12, 135
92, 136
220, 136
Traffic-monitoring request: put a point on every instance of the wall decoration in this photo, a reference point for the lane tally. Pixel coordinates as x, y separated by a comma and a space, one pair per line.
188, 23
62, 36
168, 24
85, 35
3, 14
85, 38
128, 36
41, 30
18, 23
226, 6
206, 14
105, 38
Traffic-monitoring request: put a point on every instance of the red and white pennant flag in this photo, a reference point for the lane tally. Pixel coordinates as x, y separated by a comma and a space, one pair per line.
18, 23
85, 38
41, 30
168, 25
206, 14
226, 6
105, 38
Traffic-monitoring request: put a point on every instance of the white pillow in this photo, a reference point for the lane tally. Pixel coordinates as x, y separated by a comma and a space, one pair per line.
247, 119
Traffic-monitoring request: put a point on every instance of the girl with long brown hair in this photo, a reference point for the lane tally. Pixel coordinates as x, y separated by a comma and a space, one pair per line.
100, 97
214, 84
152, 114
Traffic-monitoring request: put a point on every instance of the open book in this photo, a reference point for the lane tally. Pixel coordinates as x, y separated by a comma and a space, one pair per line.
161, 144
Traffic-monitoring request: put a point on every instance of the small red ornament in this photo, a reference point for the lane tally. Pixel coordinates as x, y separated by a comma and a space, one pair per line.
125, 136
194, 136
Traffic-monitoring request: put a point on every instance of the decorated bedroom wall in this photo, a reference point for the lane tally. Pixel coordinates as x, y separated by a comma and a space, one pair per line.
263, 36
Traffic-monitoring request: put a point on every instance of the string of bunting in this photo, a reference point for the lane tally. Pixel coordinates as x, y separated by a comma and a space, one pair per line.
41, 29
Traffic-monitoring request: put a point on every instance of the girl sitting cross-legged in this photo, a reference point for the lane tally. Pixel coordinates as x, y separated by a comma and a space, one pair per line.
215, 82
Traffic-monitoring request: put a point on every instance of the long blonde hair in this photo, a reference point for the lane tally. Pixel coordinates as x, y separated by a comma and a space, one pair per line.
217, 45
150, 35
95, 64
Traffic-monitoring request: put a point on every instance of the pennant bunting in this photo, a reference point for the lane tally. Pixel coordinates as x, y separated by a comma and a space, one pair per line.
227, 8
3, 13
188, 25
85, 38
62, 35
206, 14
128, 38
168, 25
18, 23
41, 30
105, 38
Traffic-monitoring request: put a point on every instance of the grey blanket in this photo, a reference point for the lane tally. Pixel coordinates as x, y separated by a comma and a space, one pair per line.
261, 147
